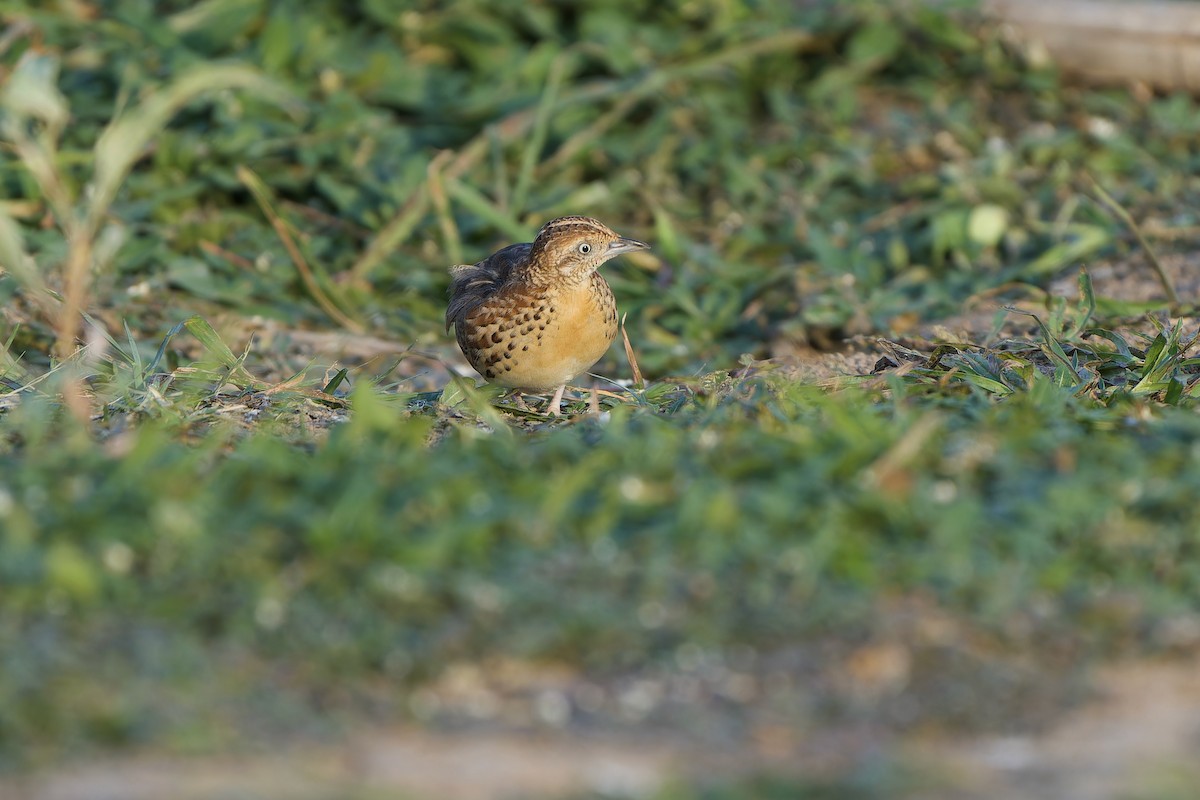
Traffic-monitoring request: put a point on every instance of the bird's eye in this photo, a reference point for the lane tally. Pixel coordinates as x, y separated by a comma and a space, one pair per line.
585, 248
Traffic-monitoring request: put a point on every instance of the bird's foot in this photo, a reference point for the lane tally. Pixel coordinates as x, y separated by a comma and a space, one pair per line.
555, 407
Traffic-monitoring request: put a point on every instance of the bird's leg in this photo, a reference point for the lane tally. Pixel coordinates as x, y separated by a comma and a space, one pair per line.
555, 407
518, 399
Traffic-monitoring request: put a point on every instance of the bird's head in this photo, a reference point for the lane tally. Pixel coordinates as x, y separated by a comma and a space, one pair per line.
572, 248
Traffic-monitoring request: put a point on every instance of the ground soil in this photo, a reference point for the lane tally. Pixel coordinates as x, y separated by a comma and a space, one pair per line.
1139, 736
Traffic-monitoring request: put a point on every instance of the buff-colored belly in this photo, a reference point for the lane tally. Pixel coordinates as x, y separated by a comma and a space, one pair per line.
538, 343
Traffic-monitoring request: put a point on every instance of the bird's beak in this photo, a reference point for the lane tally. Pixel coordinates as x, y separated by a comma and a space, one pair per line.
619, 246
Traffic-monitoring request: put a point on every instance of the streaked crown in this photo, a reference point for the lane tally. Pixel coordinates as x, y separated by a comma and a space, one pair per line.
572, 227
571, 248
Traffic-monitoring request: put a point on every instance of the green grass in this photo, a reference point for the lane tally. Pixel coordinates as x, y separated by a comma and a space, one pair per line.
763, 513
239, 543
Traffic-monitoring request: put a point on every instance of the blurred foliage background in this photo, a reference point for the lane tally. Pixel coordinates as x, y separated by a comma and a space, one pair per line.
195, 550
805, 169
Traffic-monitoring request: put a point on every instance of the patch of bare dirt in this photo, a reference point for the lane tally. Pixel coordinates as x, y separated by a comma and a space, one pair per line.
1138, 737
407, 763
1128, 279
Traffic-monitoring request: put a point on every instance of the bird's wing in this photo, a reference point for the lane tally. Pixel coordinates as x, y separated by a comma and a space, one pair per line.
473, 284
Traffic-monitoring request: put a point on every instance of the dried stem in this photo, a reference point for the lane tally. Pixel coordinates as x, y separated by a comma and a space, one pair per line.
1131, 223
259, 190
520, 123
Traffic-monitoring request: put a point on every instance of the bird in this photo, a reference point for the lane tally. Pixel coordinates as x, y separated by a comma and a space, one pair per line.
533, 316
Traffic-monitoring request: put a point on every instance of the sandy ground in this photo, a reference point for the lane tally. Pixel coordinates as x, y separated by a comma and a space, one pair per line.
1138, 738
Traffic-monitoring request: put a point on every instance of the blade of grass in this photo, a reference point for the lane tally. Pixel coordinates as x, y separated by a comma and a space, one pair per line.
209, 339
638, 383
119, 147
133, 355
124, 140
451, 239
1116, 208
541, 126
391, 235
17, 261
478, 204
199, 327
975, 369
263, 197
31, 94
462, 392
519, 123
8, 362
499, 170
579, 141
1053, 347
890, 468
1165, 358
335, 381
1087, 298
1087, 240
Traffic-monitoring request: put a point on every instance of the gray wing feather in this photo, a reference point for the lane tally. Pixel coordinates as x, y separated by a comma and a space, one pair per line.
472, 284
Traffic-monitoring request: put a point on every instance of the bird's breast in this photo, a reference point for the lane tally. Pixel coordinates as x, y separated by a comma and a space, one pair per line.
538, 338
